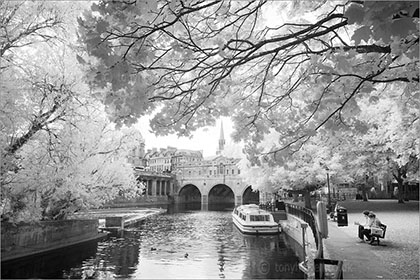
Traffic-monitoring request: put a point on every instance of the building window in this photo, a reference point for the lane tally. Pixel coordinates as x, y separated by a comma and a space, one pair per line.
239, 171
210, 172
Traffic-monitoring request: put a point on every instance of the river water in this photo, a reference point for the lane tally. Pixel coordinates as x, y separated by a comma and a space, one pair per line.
191, 244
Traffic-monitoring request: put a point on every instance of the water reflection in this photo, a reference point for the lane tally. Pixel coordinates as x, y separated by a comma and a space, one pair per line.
270, 257
182, 207
51, 265
191, 244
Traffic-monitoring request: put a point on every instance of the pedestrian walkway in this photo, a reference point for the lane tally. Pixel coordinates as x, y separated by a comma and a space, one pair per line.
397, 255
360, 261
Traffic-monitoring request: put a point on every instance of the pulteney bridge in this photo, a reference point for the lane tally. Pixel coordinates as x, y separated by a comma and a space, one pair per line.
214, 192
207, 192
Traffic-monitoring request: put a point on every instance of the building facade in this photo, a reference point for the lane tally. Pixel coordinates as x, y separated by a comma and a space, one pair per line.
186, 162
212, 180
168, 160
137, 155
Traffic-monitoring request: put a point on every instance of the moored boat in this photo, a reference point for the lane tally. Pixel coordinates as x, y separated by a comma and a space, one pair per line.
250, 219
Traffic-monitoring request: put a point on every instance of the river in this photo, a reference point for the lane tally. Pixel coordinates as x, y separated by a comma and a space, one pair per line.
190, 244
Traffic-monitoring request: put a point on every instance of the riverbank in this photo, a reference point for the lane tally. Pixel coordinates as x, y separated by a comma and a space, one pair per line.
397, 255
119, 218
23, 240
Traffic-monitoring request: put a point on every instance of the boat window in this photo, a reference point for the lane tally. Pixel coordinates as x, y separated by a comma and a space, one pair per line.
260, 218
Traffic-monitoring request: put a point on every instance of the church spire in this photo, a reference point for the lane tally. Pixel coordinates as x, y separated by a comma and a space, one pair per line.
221, 139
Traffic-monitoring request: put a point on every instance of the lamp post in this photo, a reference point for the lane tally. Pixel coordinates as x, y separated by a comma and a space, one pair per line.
328, 186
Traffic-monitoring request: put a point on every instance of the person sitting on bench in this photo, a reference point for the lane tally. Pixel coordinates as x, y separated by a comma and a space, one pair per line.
364, 229
373, 223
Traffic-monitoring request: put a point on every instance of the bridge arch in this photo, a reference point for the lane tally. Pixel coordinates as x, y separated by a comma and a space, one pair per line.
189, 197
221, 197
249, 196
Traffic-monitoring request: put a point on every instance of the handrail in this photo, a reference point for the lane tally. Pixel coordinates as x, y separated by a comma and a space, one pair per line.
308, 216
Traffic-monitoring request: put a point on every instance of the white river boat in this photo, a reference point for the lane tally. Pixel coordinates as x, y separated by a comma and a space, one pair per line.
250, 219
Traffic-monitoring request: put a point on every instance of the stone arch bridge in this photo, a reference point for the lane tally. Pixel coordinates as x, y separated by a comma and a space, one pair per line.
214, 192
204, 192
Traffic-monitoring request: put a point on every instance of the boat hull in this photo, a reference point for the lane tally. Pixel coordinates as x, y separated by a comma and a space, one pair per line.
254, 228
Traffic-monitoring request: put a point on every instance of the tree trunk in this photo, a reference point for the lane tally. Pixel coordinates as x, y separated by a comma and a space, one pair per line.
400, 191
364, 192
365, 187
400, 181
405, 193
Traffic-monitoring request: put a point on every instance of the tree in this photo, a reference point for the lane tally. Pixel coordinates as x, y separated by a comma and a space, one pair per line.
197, 59
302, 171
84, 166
19, 32
38, 70
393, 134
23, 24
48, 167
384, 140
37, 90
309, 77
403, 174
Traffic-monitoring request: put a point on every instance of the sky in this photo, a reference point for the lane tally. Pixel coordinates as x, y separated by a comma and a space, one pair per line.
205, 139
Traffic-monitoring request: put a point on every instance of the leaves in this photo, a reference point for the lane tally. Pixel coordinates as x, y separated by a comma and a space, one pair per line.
402, 27
355, 13
59, 152
363, 33
382, 21
193, 60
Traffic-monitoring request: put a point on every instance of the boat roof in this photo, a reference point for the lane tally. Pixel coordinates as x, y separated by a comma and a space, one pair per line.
252, 209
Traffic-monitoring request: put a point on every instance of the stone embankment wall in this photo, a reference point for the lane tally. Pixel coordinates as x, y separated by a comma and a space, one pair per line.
26, 239
149, 201
292, 228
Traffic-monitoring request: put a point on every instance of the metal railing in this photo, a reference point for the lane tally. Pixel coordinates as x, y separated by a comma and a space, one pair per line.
308, 216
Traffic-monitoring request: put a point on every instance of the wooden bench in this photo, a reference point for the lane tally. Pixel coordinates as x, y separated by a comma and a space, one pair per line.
379, 235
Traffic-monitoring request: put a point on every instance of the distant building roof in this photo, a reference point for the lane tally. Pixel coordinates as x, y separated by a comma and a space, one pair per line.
171, 151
